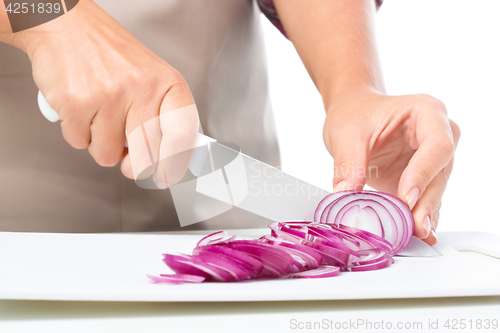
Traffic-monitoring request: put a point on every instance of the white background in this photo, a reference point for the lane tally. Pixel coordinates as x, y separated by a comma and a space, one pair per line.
449, 49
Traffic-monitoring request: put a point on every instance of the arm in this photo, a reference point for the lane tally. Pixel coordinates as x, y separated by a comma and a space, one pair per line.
402, 145
336, 42
5, 30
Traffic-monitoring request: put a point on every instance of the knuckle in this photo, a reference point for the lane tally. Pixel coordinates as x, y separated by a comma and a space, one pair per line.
176, 81
110, 91
432, 102
446, 147
145, 85
342, 167
74, 104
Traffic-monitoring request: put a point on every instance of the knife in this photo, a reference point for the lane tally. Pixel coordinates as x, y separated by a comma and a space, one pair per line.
220, 177
418, 248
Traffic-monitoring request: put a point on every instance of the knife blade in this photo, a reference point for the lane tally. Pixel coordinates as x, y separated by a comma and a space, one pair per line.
257, 187
418, 248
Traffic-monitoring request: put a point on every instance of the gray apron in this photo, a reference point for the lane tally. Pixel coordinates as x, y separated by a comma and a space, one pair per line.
47, 186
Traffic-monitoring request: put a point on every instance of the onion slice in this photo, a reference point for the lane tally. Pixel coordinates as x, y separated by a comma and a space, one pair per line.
320, 272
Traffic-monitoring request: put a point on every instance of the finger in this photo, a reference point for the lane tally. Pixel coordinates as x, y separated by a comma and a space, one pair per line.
75, 126
144, 136
436, 142
426, 211
126, 165
350, 156
76, 112
179, 123
107, 136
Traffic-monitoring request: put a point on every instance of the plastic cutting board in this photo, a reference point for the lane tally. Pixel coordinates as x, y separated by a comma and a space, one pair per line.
113, 267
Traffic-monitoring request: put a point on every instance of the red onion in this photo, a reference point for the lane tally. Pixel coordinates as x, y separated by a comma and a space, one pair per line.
353, 231
176, 278
321, 272
379, 213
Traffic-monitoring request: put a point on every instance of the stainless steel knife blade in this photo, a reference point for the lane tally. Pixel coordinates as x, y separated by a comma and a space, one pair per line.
418, 248
230, 178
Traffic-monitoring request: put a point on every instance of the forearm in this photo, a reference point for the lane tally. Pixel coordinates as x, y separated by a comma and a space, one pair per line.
6, 34
336, 42
37, 29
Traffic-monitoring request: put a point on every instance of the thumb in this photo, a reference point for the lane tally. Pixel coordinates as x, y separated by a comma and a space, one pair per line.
350, 157
179, 124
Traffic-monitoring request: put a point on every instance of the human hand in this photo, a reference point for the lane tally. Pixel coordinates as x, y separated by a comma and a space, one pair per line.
403, 145
104, 83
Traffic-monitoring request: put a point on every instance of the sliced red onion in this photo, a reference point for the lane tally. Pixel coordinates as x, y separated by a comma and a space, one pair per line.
226, 264
363, 239
303, 249
385, 262
218, 237
159, 279
330, 255
369, 256
379, 213
311, 258
320, 272
196, 266
184, 277
176, 278
300, 232
276, 261
249, 263
214, 236
296, 267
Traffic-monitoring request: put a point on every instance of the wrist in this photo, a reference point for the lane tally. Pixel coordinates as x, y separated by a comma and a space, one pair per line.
349, 93
27, 40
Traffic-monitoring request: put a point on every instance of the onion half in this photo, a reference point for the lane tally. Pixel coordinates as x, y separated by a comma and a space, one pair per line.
382, 214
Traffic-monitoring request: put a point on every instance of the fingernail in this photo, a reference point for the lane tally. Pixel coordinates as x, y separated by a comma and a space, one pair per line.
162, 186
427, 225
433, 234
342, 186
412, 197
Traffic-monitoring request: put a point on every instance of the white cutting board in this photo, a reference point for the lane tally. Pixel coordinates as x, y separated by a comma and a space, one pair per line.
113, 267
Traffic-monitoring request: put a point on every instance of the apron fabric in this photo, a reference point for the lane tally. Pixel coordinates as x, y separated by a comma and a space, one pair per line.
47, 186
